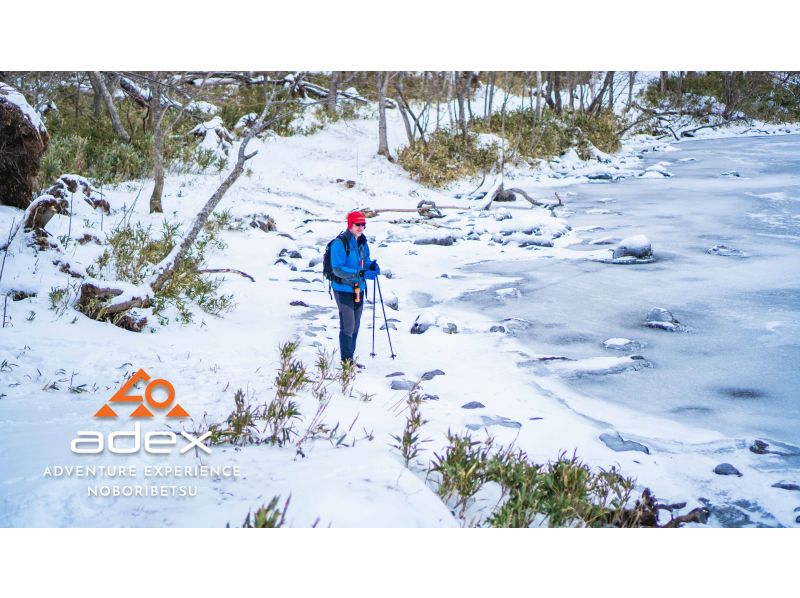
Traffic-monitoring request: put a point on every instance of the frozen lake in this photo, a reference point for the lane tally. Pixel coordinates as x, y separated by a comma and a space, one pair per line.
736, 369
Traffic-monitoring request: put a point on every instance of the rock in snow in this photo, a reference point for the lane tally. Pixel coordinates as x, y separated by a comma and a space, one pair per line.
402, 384
431, 374
446, 240
494, 420
392, 302
661, 318
727, 469
726, 251
786, 486
637, 246
424, 321
622, 344
616, 443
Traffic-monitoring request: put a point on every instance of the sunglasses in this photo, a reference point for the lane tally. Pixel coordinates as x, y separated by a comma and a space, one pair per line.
361, 224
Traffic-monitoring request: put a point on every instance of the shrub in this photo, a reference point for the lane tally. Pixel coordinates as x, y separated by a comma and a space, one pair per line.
282, 410
268, 516
133, 251
554, 134
601, 130
756, 94
461, 469
564, 492
447, 156
409, 443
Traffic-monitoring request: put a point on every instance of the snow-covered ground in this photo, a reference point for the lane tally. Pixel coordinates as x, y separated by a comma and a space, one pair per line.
510, 262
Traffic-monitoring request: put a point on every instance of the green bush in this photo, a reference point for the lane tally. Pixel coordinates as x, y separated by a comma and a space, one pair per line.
564, 492
269, 516
133, 251
237, 102
556, 133
84, 144
601, 130
756, 94
447, 156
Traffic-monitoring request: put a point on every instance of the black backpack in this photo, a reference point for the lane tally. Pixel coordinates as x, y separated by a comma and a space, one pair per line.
327, 268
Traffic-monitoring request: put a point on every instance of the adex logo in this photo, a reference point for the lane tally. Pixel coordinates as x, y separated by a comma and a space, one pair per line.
157, 442
121, 396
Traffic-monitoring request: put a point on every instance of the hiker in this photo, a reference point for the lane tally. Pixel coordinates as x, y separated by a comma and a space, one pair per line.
351, 266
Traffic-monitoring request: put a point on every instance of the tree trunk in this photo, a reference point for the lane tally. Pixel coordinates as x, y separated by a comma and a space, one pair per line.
487, 103
611, 94
99, 84
401, 105
168, 265
461, 81
97, 99
597, 103
557, 90
631, 80
664, 77
538, 96
159, 114
383, 143
332, 93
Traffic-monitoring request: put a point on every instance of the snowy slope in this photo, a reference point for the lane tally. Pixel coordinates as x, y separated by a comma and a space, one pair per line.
363, 481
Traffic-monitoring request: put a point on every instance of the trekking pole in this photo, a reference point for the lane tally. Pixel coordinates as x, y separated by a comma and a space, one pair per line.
373, 317
389, 336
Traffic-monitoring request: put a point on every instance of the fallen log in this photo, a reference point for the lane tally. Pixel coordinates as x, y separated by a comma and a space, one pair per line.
111, 300
43, 208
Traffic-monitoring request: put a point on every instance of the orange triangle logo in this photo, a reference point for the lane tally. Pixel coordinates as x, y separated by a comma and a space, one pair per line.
105, 411
177, 411
142, 411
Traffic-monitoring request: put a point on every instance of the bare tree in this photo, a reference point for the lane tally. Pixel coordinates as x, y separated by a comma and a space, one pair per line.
332, 93
462, 83
401, 104
631, 81
596, 105
383, 87
158, 113
103, 301
158, 102
538, 96
99, 85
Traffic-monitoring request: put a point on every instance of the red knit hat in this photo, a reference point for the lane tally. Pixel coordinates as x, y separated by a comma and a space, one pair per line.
355, 218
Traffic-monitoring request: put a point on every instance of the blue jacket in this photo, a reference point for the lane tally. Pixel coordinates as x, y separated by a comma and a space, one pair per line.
347, 267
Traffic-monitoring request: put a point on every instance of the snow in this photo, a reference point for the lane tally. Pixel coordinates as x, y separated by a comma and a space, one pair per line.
11, 96
564, 309
202, 107
214, 137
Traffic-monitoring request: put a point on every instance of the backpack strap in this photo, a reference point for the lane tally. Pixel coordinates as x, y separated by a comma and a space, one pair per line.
343, 237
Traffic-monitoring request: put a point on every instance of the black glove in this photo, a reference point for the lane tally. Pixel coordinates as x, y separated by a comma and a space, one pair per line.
374, 266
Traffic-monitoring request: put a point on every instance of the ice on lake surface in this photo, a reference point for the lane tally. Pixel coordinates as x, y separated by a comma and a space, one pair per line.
736, 367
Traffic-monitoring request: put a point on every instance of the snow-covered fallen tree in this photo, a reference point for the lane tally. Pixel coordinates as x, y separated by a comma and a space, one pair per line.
23, 141
112, 299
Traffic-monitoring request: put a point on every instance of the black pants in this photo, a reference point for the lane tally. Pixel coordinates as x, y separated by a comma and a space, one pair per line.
349, 320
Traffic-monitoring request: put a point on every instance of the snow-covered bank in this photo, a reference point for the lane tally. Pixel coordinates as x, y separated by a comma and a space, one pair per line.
360, 481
